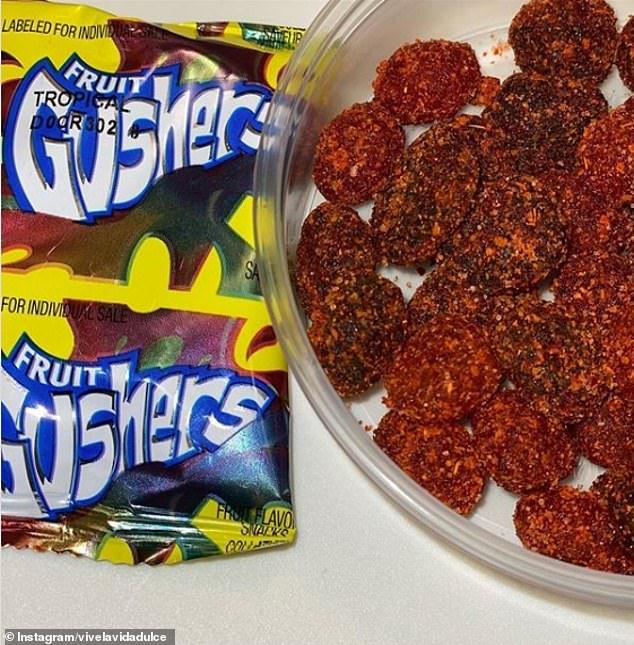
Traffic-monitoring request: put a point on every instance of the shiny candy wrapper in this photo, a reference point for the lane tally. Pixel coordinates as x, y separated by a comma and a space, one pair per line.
144, 394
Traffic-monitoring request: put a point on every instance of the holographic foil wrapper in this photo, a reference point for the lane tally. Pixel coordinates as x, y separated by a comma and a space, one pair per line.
144, 394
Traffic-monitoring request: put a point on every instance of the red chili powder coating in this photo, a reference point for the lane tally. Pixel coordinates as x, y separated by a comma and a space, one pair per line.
554, 188
426, 81
595, 286
625, 54
607, 438
571, 525
441, 458
488, 90
564, 184
536, 122
446, 291
575, 38
624, 232
620, 350
522, 449
508, 320
514, 238
334, 244
616, 488
356, 330
356, 153
428, 195
553, 358
608, 229
605, 158
443, 371
540, 187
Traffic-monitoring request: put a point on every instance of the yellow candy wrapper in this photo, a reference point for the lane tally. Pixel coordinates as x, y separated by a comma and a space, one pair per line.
144, 400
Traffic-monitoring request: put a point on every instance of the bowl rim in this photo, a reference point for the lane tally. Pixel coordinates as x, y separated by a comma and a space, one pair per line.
270, 180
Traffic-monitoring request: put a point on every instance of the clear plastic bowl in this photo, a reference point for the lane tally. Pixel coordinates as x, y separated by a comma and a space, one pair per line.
332, 69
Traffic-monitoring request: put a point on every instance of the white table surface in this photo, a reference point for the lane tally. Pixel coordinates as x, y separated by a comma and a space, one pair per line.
360, 571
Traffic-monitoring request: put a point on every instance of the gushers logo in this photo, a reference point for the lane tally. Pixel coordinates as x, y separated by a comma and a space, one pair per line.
81, 143
69, 427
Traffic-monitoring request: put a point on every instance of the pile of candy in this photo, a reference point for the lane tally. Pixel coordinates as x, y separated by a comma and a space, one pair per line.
516, 354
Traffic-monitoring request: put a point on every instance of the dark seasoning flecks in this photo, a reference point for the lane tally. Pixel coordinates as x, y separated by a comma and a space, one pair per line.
484, 377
